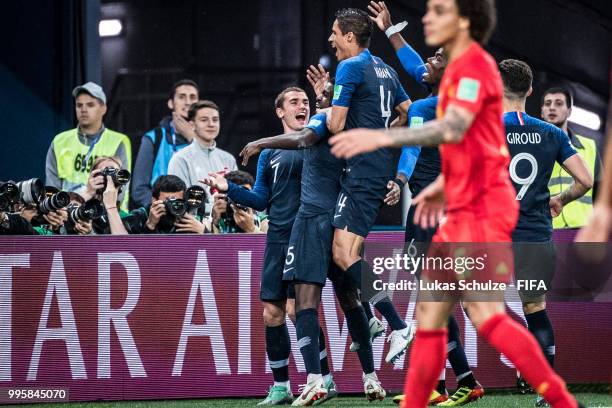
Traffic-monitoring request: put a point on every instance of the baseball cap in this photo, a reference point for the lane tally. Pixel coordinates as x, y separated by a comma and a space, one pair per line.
91, 88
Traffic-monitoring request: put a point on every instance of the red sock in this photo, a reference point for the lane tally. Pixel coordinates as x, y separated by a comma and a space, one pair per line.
521, 348
427, 358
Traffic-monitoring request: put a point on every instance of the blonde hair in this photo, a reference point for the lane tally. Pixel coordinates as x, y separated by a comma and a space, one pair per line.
101, 159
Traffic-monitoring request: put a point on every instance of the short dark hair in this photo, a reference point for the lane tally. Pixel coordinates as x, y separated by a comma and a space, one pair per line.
569, 98
195, 107
167, 184
182, 82
280, 99
356, 21
517, 77
482, 15
240, 177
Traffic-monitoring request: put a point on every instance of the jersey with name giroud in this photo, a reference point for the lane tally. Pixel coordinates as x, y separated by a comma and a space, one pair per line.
535, 146
475, 170
371, 90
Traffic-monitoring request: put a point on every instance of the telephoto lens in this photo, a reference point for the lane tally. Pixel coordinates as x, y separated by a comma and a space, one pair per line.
31, 191
9, 195
91, 210
54, 202
175, 207
194, 199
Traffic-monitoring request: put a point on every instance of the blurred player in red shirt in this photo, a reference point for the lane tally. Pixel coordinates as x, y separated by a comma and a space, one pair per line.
475, 190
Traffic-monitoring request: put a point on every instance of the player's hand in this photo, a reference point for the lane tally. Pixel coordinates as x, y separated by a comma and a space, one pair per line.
393, 196
556, 206
429, 206
56, 218
83, 227
217, 181
380, 15
158, 210
356, 141
251, 149
183, 127
318, 77
189, 223
244, 219
598, 227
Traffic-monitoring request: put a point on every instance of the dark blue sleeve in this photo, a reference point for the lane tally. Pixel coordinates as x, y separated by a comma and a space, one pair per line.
412, 62
565, 148
317, 124
348, 76
408, 159
257, 198
400, 94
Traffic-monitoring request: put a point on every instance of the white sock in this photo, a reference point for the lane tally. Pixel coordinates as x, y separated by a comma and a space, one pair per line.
326, 378
313, 377
282, 384
442, 374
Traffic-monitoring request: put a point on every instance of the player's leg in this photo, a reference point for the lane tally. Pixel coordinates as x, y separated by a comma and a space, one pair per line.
428, 353
346, 293
307, 300
516, 343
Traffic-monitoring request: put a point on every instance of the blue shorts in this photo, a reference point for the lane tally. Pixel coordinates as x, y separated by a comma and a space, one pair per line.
310, 249
359, 202
272, 287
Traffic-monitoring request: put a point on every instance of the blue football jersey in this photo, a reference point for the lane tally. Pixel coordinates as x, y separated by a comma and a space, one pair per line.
534, 146
321, 173
371, 90
277, 189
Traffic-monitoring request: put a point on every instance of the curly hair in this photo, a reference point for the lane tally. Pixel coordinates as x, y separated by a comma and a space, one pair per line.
482, 15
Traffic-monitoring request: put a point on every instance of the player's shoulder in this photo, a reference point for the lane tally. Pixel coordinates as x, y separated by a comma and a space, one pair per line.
544, 126
424, 103
478, 61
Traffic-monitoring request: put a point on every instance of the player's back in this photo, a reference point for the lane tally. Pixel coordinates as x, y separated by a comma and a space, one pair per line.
371, 90
534, 146
283, 178
321, 172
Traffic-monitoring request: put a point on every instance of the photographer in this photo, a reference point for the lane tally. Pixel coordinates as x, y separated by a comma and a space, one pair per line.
167, 212
228, 216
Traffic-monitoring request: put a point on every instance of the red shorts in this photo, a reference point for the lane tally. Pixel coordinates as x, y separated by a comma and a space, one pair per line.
473, 250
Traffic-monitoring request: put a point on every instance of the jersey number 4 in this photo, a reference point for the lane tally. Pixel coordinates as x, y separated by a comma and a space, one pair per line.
525, 182
385, 112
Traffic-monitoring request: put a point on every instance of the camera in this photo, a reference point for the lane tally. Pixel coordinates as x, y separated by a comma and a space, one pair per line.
120, 177
91, 210
53, 201
31, 191
195, 196
175, 207
9, 195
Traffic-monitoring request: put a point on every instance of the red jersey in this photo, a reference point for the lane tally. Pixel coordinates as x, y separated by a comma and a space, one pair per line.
477, 183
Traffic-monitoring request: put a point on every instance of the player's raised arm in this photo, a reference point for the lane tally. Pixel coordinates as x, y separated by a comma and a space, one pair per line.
450, 129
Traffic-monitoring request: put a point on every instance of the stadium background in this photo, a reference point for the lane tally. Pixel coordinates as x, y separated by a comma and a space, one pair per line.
242, 53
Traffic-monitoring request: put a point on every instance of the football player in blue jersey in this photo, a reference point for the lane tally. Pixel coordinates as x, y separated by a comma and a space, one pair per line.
535, 146
366, 93
277, 189
419, 167
309, 255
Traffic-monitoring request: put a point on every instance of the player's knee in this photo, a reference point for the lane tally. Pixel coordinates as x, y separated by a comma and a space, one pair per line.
273, 316
533, 307
480, 312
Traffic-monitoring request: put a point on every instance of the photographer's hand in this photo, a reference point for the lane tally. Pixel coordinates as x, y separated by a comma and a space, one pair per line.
188, 223
83, 227
94, 183
109, 197
158, 210
244, 219
56, 218
219, 208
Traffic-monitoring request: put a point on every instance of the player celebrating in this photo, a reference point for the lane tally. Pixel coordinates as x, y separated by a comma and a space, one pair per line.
309, 254
535, 146
474, 184
365, 91
277, 188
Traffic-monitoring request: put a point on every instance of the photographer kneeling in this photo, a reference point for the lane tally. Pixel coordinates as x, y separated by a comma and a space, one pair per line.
172, 210
229, 216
